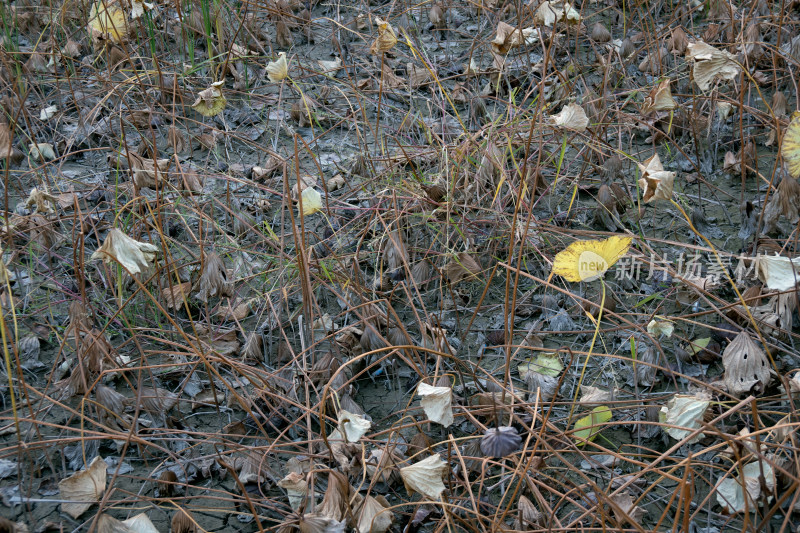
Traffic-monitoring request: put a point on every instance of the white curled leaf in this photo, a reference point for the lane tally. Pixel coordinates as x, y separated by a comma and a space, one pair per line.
661, 327
683, 414
42, 151
776, 272
278, 70
135, 256
353, 426
550, 12
437, 402
48, 112
425, 477
710, 64
742, 492
571, 117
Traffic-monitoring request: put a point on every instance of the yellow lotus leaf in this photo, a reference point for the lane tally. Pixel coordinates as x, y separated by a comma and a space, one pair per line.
210, 101
790, 147
107, 18
589, 260
586, 428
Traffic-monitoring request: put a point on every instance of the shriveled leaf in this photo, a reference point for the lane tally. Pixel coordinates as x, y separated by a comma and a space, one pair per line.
386, 37
210, 101
660, 99
711, 64
625, 510
571, 117
135, 256
214, 280
296, 488
425, 477
353, 426
83, 489
740, 493
437, 402
463, 266
41, 201
278, 70
747, 369
656, 183
683, 414
500, 441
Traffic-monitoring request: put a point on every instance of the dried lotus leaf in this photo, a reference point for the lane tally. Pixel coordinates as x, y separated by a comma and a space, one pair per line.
437, 402
425, 477
747, 369
82, 489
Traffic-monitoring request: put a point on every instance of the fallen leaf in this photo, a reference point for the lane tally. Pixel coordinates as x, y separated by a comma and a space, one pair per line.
550, 12
211, 101
425, 477
107, 20
386, 37
296, 488
329, 67
624, 509
83, 489
661, 327
710, 64
591, 394
659, 99
133, 255
571, 117
747, 369
776, 272
138, 7
584, 430
48, 112
740, 493
352, 426
278, 70
683, 414
544, 363
656, 183
589, 260
372, 516
437, 402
